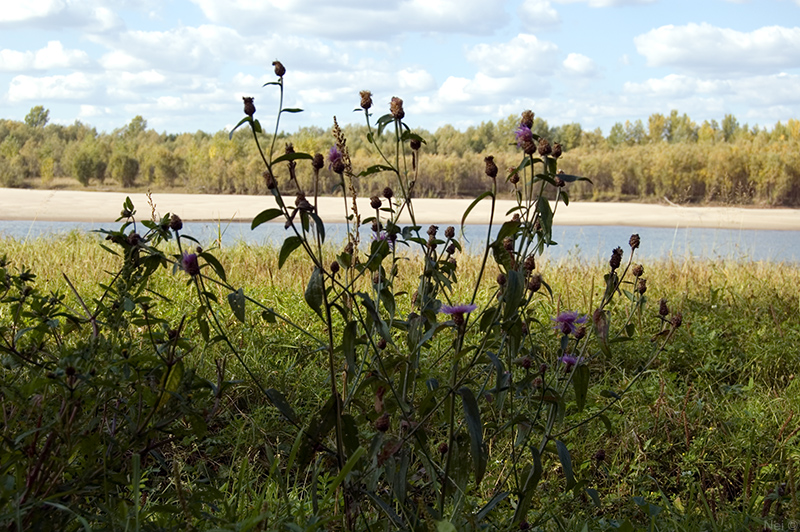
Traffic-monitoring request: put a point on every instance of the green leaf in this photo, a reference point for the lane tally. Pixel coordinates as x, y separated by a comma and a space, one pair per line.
265, 216
490, 505
279, 401
236, 301
532, 480
297, 156
374, 169
291, 110
349, 345
257, 126
475, 428
487, 194
289, 245
212, 260
242, 121
566, 463
445, 526
314, 291
514, 292
170, 383
580, 382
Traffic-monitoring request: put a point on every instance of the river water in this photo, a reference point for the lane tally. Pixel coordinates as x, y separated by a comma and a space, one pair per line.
588, 243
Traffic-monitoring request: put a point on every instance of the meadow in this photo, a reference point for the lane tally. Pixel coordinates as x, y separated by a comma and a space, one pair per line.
391, 382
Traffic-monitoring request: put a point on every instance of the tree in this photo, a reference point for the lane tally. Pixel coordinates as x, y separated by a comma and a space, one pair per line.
37, 117
730, 127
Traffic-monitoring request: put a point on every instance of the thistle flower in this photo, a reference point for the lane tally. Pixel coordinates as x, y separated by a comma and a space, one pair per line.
335, 160
366, 100
458, 311
189, 264
396, 108
523, 134
249, 106
567, 321
570, 361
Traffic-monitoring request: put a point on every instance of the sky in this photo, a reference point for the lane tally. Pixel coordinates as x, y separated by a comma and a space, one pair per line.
184, 65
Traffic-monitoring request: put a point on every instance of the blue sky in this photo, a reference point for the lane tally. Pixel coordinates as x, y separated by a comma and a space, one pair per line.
184, 65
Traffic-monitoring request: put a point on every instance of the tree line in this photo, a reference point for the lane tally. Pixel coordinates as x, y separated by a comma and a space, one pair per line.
667, 156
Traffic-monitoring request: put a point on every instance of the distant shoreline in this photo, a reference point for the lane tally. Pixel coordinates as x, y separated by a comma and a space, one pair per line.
85, 206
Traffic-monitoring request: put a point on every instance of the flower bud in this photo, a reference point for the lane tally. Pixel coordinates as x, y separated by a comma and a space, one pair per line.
663, 309
381, 344
375, 202
559, 182
432, 230
450, 232
175, 222
527, 118
637, 270
677, 319
451, 249
544, 147
501, 279
641, 286
491, 167
530, 264
249, 106
556, 150
280, 70
334, 267
388, 193
318, 162
415, 144
396, 108
616, 259
508, 244
535, 283
366, 100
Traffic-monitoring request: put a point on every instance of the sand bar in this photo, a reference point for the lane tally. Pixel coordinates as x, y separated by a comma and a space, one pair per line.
60, 205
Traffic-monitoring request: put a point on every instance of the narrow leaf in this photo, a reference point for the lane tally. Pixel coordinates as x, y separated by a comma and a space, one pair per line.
242, 121
297, 156
314, 293
279, 401
236, 301
472, 205
265, 216
475, 428
566, 463
580, 382
289, 245
291, 110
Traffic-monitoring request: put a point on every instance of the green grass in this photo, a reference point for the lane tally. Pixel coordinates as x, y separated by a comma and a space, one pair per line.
707, 435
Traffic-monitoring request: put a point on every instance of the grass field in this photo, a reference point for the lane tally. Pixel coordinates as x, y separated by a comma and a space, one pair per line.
707, 439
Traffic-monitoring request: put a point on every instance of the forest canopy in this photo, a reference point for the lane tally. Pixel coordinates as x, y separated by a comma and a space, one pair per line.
668, 156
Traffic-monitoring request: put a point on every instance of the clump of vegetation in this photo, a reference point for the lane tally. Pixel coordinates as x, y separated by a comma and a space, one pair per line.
410, 387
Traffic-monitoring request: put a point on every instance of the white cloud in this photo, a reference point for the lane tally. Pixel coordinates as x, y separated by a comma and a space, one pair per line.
25, 11
62, 87
521, 55
415, 80
357, 19
52, 56
538, 14
703, 48
607, 3
59, 14
580, 65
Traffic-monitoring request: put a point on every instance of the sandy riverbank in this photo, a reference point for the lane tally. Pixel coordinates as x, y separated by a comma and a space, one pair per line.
17, 204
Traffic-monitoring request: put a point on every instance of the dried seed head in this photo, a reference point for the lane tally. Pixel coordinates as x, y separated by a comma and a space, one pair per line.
451, 249
491, 167
515, 218
634, 241
508, 244
677, 319
388, 193
249, 106
289, 148
556, 150
638, 270
175, 222
527, 118
663, 309
526, 362
432, 230
641, 286
443, 448
450, 232
396, 108
318, 162
366, 100
134, 239
513, 177
349, 248
269, 179
600, 455
381, 344
375, 202
501, 279
416, 144
280, 70
382, 423
530, 264
334, 267
580, 333
616, 259
544, 147
535, 283
559, 182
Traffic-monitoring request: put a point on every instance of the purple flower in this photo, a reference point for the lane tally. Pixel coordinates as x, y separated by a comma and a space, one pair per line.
570, 361
524, 134
189, 264
335, 160
457, 309
388, 238
567, 321
457, 312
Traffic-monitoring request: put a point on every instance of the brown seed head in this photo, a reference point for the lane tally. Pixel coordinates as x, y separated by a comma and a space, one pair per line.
491, 167
513, 177
451, 249
663, 309
634, 241
530, 264
388, 193
508, 244
443, 448
641, 286
396, 108
529, 147
638, 270
249, 106
318, 162
375, 202
580, 333
556, 150
527, 118
381, 344
269, 179
544, 147
559, 182
175, 222
366, 100
501, 279
280, 70
450, 232
616, 259
349, 248
382, 423
334, 267
416, 144
535, 283
432, 230
677, 319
